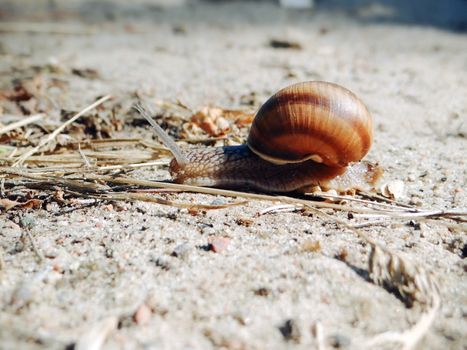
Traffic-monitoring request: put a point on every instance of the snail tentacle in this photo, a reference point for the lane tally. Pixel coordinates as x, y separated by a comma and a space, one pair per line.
167, 141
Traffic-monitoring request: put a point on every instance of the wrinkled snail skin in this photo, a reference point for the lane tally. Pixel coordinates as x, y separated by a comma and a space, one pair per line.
239, 167
308, 134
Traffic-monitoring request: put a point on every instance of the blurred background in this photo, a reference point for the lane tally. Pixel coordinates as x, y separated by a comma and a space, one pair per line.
449, 14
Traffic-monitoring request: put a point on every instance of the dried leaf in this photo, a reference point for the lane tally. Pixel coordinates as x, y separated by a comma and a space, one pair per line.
211, 121
8, 204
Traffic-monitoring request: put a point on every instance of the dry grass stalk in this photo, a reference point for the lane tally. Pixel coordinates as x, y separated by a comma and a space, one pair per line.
2, 261
281, 208
69, 169
47, 28
389, 205
29, 120
94, 338
412, 282
318, 332
85, 182
57, 131
395, 272
83, 156
39, 255
99, 158
134, 197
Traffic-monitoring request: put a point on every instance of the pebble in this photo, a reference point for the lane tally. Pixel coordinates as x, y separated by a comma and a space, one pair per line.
182, 250
142, 315
218, 244
290, 331
338, 341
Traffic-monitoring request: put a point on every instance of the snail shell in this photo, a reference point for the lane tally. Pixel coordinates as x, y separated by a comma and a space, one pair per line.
312, 120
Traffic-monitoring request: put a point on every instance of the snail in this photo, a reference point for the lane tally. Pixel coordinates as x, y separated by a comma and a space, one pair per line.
306, 135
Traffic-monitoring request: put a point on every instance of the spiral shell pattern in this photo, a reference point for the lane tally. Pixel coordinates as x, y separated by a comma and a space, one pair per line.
314, 120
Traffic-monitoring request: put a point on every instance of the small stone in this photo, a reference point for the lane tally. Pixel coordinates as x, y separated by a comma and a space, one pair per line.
161, 262
27, 222
311, 246
290, 331
244, 222
218, 243
108, 207
142, 315
219, 201
338, 341
393, 189
182, 250
262, 291
342, 255
19, 246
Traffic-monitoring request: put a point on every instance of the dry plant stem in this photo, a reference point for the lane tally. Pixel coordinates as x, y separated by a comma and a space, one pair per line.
47, 28
31, 119
166, 140
85, 159
382, 198
82, 183
53, 182
412, 336
61, 170
57, 131
134, 197
39, 255
75, 159
393, 206
280, 208
369, 223
412, 281
320, 338
132, 166
230, 193
2, 261
94, 338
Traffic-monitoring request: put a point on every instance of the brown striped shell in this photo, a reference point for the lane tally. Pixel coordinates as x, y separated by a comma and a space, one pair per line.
312, 120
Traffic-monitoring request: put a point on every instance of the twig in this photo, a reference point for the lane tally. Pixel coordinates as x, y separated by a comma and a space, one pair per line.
281, 208
94, 338
377, 213
31, 119
320, 338
414, 284
132, 197
39, 255
410, 337
2, 261
369, 223
47, 28
410, 280
59, 130
54, 181
390, 205
85, 159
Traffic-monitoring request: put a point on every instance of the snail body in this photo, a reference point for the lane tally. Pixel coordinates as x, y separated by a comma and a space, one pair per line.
308, 134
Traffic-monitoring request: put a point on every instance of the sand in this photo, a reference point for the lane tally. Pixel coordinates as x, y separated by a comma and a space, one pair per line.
112, 269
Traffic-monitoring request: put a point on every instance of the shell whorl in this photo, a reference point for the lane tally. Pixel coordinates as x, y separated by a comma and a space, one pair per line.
312, 120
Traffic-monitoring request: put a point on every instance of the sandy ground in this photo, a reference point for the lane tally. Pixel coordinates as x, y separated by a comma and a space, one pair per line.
106, 263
